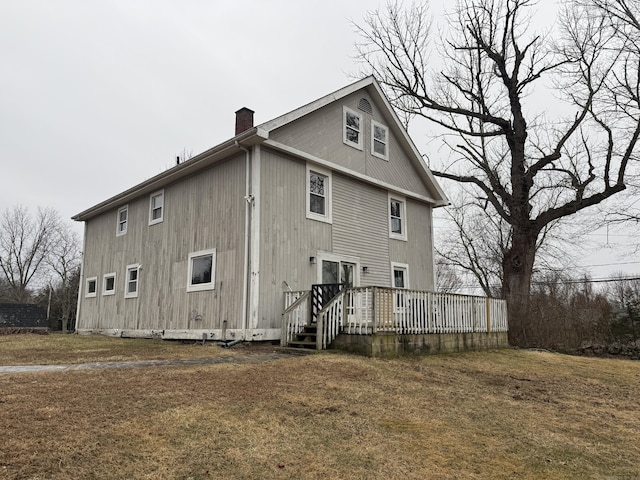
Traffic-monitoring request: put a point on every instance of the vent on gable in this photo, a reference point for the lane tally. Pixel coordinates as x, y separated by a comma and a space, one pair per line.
365, 106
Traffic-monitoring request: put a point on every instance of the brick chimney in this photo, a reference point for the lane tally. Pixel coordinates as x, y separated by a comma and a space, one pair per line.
244, 120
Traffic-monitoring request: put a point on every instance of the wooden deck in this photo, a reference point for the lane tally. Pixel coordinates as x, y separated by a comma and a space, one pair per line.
379, 310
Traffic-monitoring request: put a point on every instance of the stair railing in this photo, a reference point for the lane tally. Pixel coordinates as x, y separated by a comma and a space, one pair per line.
295, 318
329, 321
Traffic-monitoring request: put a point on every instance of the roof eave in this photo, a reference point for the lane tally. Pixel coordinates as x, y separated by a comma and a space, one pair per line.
200, 161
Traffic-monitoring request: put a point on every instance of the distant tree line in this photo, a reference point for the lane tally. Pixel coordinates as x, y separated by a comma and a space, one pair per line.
40, 263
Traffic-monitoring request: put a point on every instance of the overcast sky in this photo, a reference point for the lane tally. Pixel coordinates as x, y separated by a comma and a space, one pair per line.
97, 96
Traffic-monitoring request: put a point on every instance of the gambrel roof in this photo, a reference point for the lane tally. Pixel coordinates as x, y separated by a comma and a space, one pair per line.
262, 134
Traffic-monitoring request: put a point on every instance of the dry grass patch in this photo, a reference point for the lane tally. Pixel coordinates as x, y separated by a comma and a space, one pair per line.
507, 414
32, 349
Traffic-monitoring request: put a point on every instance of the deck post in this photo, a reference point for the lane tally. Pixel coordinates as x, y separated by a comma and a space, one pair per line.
488, 300
373, 310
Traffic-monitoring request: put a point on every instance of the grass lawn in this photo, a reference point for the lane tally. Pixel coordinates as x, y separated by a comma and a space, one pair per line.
501, 414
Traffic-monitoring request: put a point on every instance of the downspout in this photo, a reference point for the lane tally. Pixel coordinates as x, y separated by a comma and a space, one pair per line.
247, 225
81, 282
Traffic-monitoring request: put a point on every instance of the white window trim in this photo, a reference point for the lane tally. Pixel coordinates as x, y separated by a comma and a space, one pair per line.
400, 266
127, 294
126, 224
332, 257
328, 194
87, 293
403, 216
106, 292
202, 286
386, 144
344, 128
161, 218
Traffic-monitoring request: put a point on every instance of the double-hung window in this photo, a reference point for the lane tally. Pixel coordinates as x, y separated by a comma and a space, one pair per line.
132, 281
379, 140
156, 207
397, 218
91, 287
123, 220
352, 128
202, 270
318, 194
109, 283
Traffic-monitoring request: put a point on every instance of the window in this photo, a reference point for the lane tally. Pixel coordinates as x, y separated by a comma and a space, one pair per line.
91, 287
123, 218
156, 207
319, 194
379, 140
352, 128
109, 284
399, 275
132, 281
201, 273
397, 219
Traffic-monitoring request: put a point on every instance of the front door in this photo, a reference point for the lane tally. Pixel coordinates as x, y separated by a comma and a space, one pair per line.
336, 271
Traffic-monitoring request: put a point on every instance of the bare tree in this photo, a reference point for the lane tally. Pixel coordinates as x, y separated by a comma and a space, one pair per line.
529, 170
63, 261
25, 243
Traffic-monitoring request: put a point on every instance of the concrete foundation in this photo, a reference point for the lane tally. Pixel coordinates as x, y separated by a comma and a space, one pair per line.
391, 345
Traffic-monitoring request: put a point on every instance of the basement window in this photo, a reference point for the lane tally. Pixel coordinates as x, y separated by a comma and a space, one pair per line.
202, 270
91, 288
109, 284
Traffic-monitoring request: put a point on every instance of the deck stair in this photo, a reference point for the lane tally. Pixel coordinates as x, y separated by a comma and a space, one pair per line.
307, 339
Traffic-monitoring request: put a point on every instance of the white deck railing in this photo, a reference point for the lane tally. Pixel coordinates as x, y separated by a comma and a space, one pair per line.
296, 316
370, 310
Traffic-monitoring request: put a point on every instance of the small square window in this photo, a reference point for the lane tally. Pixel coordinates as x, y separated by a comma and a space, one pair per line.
352, 129
109, 284
123, 220
202, 271
91, 287
132, 281
379, 140
319, 194
156, 207
397, 219
400, 275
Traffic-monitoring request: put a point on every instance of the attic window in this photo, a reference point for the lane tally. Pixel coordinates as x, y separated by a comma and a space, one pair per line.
352, 128
365, 106
379, 140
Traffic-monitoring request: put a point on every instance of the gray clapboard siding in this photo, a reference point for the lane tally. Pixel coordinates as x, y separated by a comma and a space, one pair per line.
360, 227
417, 250
320, 133
201, 212
287, 237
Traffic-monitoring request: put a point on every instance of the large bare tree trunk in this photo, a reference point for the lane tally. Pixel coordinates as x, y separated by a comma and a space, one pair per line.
517, 268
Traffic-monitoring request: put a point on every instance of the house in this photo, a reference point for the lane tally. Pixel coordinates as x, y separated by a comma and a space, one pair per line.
334, 192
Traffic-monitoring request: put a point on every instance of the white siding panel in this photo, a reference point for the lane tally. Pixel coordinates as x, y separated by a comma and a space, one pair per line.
288, 238
417, 251
360, 227
203, 211
320, 133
